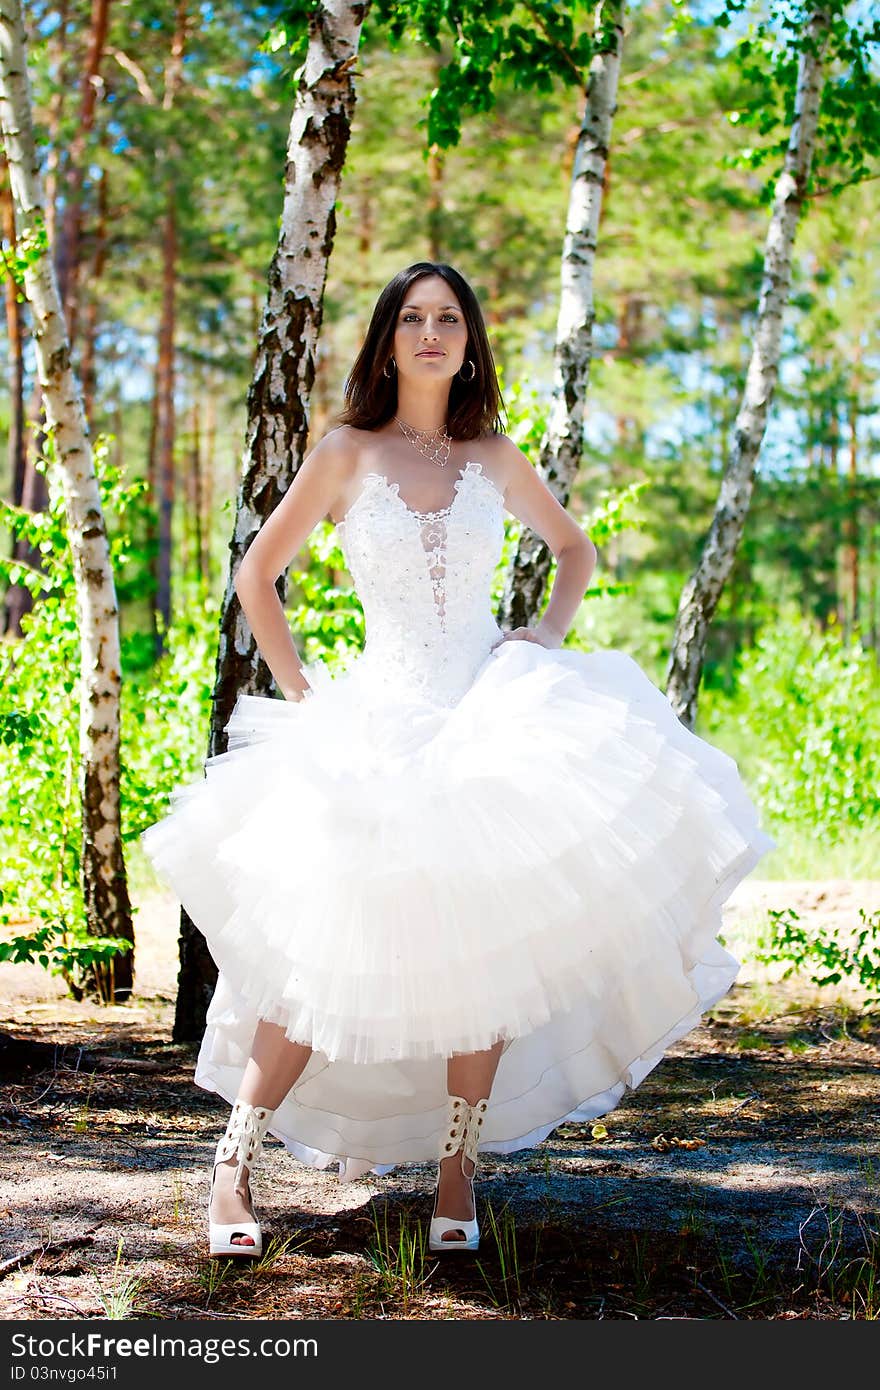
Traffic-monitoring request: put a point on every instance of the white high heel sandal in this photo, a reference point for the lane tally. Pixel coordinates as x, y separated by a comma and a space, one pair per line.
243, 1140
462, 1136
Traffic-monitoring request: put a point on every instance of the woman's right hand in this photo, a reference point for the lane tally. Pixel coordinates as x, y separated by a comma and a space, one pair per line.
297, 696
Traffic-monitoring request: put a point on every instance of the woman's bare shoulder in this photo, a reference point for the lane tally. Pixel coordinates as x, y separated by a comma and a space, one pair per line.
341, 443
344, 452
496, 456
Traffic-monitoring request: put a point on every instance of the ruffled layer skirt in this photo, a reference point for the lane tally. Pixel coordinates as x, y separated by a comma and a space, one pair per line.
391, 880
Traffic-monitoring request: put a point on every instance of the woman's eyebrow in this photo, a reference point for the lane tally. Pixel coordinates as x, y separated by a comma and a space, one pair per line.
442, 307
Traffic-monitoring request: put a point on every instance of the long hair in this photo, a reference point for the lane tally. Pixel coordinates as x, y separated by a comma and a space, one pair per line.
371, 396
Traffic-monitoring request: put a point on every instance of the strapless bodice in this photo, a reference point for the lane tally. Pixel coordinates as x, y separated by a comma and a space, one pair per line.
424, 580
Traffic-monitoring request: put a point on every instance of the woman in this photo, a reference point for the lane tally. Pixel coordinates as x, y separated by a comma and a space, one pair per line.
470, 886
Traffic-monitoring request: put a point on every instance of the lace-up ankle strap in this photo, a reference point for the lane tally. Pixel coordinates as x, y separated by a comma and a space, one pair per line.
244, 1136
463, 1127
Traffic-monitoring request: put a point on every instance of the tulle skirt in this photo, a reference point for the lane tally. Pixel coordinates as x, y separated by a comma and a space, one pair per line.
391, 880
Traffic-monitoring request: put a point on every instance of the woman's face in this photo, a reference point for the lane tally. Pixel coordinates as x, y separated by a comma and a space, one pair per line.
431, 335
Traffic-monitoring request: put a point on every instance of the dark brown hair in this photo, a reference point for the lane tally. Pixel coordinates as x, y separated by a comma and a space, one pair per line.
371, 397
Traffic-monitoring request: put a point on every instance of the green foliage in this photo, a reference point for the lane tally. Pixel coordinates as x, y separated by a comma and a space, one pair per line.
28, 248
41, 903
289, 32
40, 817
823, 952
72, 954
614, 510
805, 710
532, 45
767, 52
166, 714
327, 616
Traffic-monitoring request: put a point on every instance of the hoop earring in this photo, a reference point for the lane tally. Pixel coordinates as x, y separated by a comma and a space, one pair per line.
387, 373
473, 372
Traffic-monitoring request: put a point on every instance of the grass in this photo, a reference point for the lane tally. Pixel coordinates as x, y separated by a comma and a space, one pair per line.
870, 1171
212, 1274
636, 1273
399, 1258
551, 1203
81, 1123
500, 1227
851, 1279
177, 1197
275, 1249
362, 1295
694, 1220
120, 1300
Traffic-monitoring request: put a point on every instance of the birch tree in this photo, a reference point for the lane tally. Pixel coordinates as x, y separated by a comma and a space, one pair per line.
702, 591
105, 891
561, 447
491, 40
278, 398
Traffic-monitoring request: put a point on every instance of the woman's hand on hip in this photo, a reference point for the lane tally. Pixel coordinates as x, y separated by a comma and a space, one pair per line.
544, 635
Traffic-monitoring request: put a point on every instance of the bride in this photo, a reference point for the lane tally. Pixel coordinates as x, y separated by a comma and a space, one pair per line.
470, 886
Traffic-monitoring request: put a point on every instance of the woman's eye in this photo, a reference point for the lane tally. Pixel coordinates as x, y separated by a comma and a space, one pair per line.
451, 317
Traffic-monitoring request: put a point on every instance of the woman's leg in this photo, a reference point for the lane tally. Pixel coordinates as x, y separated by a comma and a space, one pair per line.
274, 1065
470, 1075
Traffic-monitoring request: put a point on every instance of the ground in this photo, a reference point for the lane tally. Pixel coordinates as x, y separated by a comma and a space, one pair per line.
741, 1180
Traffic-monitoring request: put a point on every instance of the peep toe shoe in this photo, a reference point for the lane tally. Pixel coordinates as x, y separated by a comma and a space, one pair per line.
461, 1137
243, 1140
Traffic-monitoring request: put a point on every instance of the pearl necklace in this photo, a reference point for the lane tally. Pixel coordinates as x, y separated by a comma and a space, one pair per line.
433, 445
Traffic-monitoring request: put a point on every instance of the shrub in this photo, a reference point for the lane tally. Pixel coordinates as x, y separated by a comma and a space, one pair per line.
805, 712
41, 902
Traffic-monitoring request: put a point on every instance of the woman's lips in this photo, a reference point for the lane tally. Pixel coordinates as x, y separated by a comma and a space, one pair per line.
429, 352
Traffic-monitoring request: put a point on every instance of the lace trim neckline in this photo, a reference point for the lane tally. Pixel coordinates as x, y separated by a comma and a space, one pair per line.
394, 487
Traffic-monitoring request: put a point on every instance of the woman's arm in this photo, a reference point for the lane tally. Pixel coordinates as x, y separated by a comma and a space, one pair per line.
318, 483
527, 497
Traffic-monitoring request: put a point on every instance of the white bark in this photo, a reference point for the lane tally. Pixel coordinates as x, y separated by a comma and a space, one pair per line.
108, 910
700, 596
562, 444
278, 399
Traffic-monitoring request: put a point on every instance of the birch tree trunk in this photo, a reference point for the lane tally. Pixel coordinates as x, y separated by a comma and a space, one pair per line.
278, 397
562, 444
15, 363
60, 48
700, 595
105, 891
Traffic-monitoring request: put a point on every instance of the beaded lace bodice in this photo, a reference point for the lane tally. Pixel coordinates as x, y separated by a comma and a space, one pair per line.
424, 580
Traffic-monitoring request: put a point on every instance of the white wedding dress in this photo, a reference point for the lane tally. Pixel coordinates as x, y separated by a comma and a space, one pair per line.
444, 845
